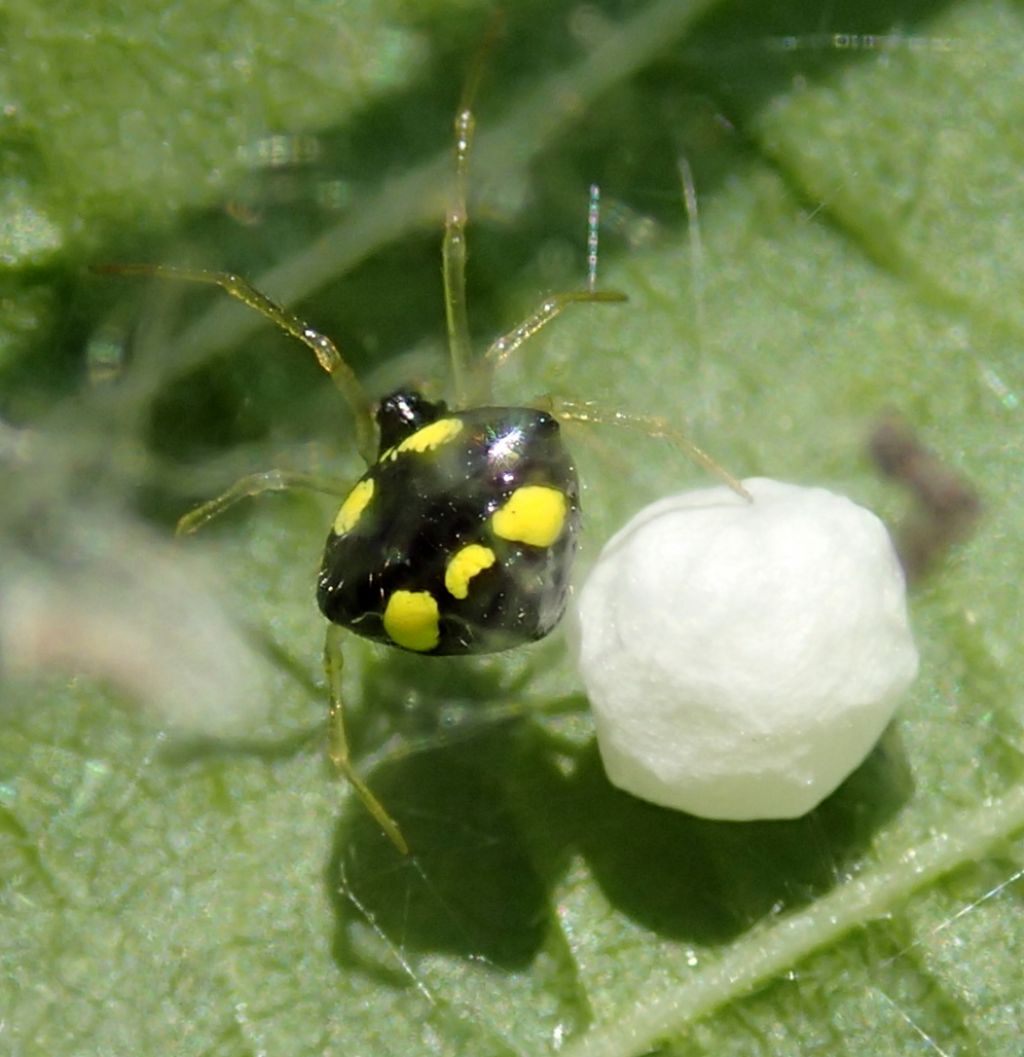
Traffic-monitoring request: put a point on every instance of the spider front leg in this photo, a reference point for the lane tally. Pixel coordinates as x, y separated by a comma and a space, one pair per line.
255, 484
549, 309
337, 743
652, 425
472, 379
325, 351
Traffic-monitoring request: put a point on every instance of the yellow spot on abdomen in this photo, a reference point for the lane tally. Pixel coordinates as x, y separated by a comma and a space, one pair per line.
411, 620
429, 437
464, 565
534, 514
352, 509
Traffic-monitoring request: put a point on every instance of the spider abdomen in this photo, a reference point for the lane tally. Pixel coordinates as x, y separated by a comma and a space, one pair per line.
460, 537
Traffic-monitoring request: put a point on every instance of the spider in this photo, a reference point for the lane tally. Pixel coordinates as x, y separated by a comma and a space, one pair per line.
460, 536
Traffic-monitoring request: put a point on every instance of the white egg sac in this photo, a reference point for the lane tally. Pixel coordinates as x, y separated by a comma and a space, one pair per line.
742, 658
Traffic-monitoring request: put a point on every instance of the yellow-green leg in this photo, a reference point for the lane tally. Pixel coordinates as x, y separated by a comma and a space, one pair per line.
252, 485
549, 309
468, 391
326, 352
472, 382
652, 425
337, 746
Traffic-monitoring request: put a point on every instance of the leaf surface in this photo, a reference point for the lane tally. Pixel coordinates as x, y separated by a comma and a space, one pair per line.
860, 249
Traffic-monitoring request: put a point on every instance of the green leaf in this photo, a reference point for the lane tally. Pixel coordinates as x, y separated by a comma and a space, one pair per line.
109, 109
180, 872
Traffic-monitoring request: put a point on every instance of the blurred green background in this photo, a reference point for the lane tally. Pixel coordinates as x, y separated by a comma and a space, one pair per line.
180, 873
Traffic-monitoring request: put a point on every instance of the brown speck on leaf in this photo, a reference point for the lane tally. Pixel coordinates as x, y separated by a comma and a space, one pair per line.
945, 507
